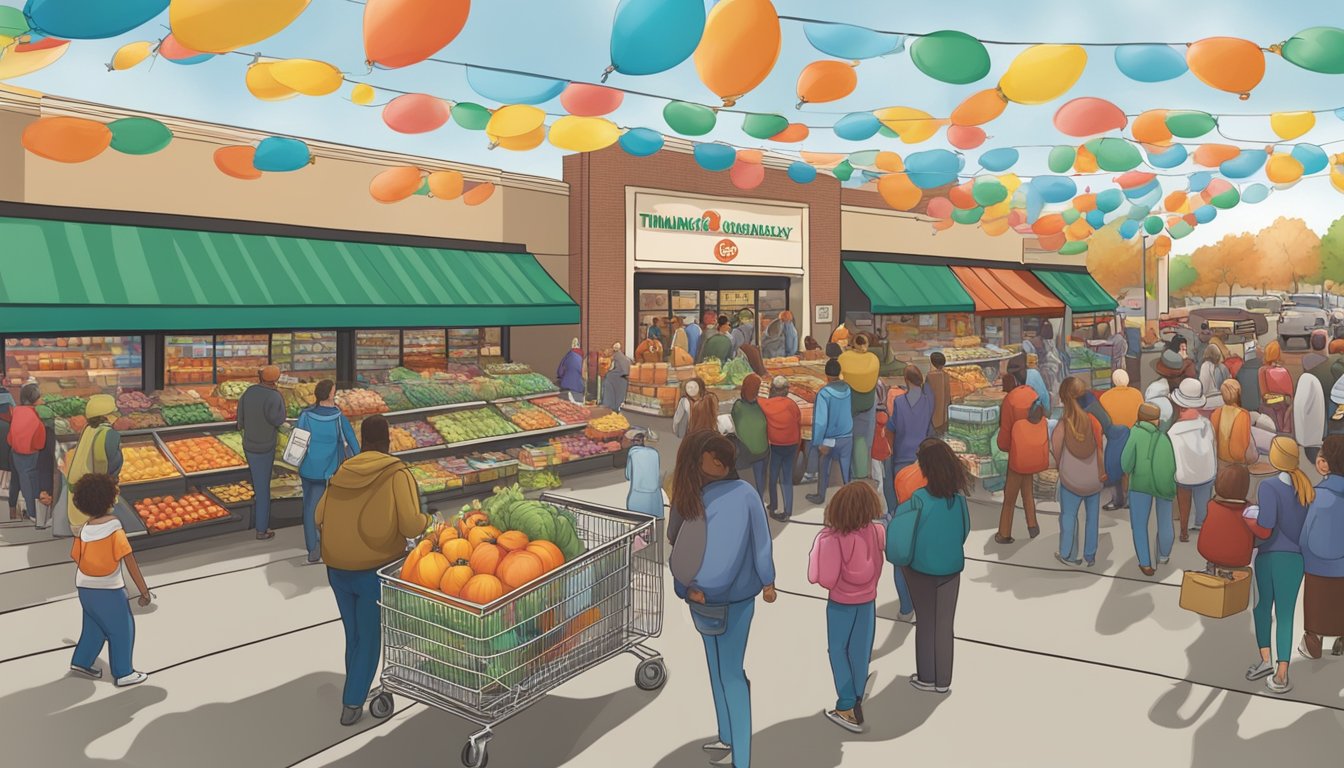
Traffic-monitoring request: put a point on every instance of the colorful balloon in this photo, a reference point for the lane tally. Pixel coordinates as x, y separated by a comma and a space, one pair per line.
994, 227
514, 120
801, 173
1043, 73
968, 216
398, 33
980, 108
1190, 124
823, 81
641, 142
1312, 158
362, 94
1214, 155
1228, 64
962, 196
530, 140
280, 153
584, 134
1205, 214
843, 170
1134, 179
585, 100
1050, 224
1078, 230
1073, 248
445, 185
763, 126
478, 193
261, 83
652, 36
845, 41
1001, 159
1319, 49
939, 208
857, 126
1054, 189
965, 136
66, 139
173, 50
1283, 169
1200, 181
27, 58
1149, 63
745, 175
1061, 159
1174, 156
237, 161
864, 159
306, 76
1226, 199
1085, 162
933, 168
1115, 155
912, 125
12, 22
395, 184
1180, 229
1152, 225
1255, 193
1089, 116
1070, 216
739, 47
1096, 219
715, 157
1176, 202
471, 116
422, 113
1244, 164
950, 56
1151, 127
989, 192
219, 26
889, 162
423, 189
1290, 125
794, 133
510, 88
89, 19
689, 119
139, 135
129, 55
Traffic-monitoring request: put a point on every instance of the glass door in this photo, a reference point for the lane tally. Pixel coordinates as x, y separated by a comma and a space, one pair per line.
189, 360
240, 357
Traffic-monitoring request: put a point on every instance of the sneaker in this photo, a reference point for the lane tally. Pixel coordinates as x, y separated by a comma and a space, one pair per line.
1275, 686
726, 759
1164, 560
1001, 539
314, 558
809, 478
1033, 531
93, 672
265, 535
1260, 669
716, 746
1091, 562
844, 720
920, 685
1338, 649
815, 499
782, 517
908, 618
1111, 506
1195, 528
135, 678
351, 715
1068, 562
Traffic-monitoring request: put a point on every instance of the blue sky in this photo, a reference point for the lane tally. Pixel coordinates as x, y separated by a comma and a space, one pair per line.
570, 40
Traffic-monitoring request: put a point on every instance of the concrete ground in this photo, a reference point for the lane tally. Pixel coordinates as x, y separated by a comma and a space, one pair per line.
244, 648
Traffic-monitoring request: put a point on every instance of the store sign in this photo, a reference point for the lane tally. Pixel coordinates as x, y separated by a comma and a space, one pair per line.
686, 230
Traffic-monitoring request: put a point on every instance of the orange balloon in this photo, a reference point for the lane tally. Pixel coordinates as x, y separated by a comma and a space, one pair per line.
738, 48
398, 33
1151, 128
1228, 64
445, 185
1214, 155
824, 159
795, 132
1078, 230
1085, 161
962, 197
899, 192
889, 162
1049, 224
1160, 246
395, 184
994, 227
236, 161
753, 156
980, 108
943, 225
1052, 242
479, 193
823, 81
1175, 201
66, 139
1085, 203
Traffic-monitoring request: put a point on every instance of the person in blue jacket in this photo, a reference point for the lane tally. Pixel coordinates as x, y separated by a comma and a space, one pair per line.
331, 441
1322, 543
569, 374
721, 560
832, 429
644, 471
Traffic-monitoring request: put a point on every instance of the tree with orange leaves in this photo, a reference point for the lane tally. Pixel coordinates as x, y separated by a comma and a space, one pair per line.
1290, 254
1114, 262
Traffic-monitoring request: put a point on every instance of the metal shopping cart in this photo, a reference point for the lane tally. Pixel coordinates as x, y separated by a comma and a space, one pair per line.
487, 663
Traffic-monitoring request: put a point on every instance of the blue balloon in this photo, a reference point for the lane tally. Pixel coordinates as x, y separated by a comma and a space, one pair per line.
279, 153
802, 173
1205, 214
1170, 158
857, 126
641, 142
651, 36
1138, 212
1138, 193
998, 160
1150, 63
1254, 193
933, 168
190, 60
845, 41
1200, 180
1129, 228
1109, 200
90, 19
1151, 196
1245, 164
715, 157
1313, 158
509, 88
1035, 203
1055, 189
1096, 218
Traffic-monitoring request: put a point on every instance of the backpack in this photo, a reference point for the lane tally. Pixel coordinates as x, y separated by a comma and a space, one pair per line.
27, 434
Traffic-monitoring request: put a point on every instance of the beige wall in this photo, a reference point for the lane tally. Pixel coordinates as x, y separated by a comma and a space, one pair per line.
879, 231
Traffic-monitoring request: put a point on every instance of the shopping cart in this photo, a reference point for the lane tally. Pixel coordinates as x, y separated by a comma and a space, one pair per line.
487, 663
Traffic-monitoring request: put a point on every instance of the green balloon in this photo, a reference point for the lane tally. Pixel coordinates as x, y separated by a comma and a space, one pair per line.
1319, 49
690, 119
1061, 159
1071, 215
1189, 124
1073, 248
12, 22
864, 158
471, 116
760, 126
1180, 229
950, 56
1116, 155
139, 135
843, 170
1226, 200
886, 132
424, 187
970, 216
989, 192
1152, 225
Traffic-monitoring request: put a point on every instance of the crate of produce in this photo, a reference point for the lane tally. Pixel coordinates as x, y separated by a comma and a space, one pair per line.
205, 453
530, 479
527, 416
610, 426
978, 438
563, 410
166, 513
973, 414
356, 403
472, 424
393, 397
145, 463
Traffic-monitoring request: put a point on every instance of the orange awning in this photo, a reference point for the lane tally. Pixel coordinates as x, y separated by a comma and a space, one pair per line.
1008, 293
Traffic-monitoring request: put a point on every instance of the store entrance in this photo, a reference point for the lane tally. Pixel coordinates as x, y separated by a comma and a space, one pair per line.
702, 298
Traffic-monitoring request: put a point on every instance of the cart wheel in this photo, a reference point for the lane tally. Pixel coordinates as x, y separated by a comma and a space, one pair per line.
474, 756
381, 706
651, 675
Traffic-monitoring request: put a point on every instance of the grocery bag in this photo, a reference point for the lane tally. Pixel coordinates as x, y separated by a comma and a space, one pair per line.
1216, 596
297, 447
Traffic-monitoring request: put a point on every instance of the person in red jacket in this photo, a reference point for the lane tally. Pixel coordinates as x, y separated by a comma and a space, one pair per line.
1228, 536
783, 430
1028, 453
1014, 408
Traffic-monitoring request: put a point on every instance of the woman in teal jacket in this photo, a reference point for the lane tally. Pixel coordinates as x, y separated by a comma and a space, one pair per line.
926, 539
332, 440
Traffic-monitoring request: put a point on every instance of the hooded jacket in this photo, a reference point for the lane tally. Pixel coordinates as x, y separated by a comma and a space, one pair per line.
832, 415
1323, 532
1196, 453
370, 509
569, 374
848, 565
333, 439
1150, 461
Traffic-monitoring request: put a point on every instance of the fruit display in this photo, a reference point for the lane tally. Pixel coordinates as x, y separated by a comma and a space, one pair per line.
234, 440
232, 390
563, 410
527, 416
298, 396
72, 426
499, 369
539, 480
165, 513
360, 402
805, 387
143, 463
189, 413
392, 395
710, 371
138, 420
523, 384
966, 379
203, 454
284, 485
434, 475
177, 396
403, 374
400, 440
735, 371
609, 427
472, 424
65, 407
423, 434
425, 394
562, 449
132, 401
233, 493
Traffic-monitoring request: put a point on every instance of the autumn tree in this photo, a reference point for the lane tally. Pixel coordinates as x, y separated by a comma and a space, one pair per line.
1114, 262
1332, 252
1221, 264
1289, 255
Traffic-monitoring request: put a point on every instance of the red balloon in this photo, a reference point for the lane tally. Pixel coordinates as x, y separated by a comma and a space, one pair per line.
586, 100
398, 33
939, 208
174, 51
1089, 116
965, 136
415, 113
746, 175
961, 196
1132, 179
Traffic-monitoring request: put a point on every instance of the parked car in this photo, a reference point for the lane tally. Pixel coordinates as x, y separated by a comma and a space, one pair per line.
1303, 313
1265, 305
1235, 326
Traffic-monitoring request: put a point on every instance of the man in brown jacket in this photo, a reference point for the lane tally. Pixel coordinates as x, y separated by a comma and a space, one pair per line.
371, 507
940, 386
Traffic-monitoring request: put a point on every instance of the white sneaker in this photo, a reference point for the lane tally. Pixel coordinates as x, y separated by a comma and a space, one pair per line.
727, 759
716, 746
135, 678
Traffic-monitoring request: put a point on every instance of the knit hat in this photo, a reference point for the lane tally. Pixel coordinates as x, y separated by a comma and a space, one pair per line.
1149, 412
100, 405
1285, 456
270, 374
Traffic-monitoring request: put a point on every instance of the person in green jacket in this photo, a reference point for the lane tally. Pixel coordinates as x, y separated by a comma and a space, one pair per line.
749, 428
718, 346
1150, 462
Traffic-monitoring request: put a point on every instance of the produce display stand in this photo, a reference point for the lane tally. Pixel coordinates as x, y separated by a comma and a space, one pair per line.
487, 663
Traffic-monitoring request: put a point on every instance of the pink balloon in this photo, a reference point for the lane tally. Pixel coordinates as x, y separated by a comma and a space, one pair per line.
1017, 218
415, 113
1216, 187
1089, 116
1132, 179
174, 51
586, 100
940, 208
746, 175
965, 136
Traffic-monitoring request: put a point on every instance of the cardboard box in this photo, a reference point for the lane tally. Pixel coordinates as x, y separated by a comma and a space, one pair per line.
1214, 595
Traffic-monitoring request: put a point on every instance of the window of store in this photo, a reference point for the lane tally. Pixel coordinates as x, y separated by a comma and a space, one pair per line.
75, 363
704, 298
425, 350
196, 360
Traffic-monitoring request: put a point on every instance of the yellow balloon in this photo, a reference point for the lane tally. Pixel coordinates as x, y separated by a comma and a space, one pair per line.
1283, 169
890, 162
998, 210
362, 94
899, 192
445, 185
309, 77
994, 227
912, 125
261, 82
26, 58
514, 120
529, 140
1290, 125
584, 134
1043, 73
220, 26
1011, 182
130, 54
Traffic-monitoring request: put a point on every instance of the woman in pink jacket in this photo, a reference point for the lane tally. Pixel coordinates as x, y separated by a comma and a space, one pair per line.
847, 559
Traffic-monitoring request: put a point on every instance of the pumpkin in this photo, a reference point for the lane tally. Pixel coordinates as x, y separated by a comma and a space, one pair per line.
485, 558
471, 520
446, 535
681, 358
482, 588
481, 534
649, 351
430, 570
550, 555
408, 568
518, 568
512, 540
457, 549
455, 578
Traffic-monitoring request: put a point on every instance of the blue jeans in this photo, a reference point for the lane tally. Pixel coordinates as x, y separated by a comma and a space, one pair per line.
781, 476
107, 619
842, 451
1278, 577
1140, 511
849, 642
259, 466
1193, 495
312, 494
726, 654
758, 474
25, 473
356, 595
1068, 524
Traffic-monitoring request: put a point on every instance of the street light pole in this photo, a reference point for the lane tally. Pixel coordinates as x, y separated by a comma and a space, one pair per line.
1143, 281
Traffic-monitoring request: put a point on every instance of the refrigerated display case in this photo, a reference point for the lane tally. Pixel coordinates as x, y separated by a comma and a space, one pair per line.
425, 350
306, 355
189, 360
239, 357
91, 363
376, 353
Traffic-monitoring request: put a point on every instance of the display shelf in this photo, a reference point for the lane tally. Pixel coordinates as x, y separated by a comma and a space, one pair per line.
448, 447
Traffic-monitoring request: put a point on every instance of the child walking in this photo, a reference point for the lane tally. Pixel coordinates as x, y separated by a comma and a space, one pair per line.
847, 559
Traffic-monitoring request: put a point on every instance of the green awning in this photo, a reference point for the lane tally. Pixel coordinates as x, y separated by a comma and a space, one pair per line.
1078, 290
909, 289
75, 277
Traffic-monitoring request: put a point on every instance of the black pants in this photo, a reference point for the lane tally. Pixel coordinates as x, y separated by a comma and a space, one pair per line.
935, 599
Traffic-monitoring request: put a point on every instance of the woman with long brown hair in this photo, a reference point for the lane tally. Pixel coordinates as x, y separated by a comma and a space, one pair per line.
721, 560
1077, 448
697, 409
